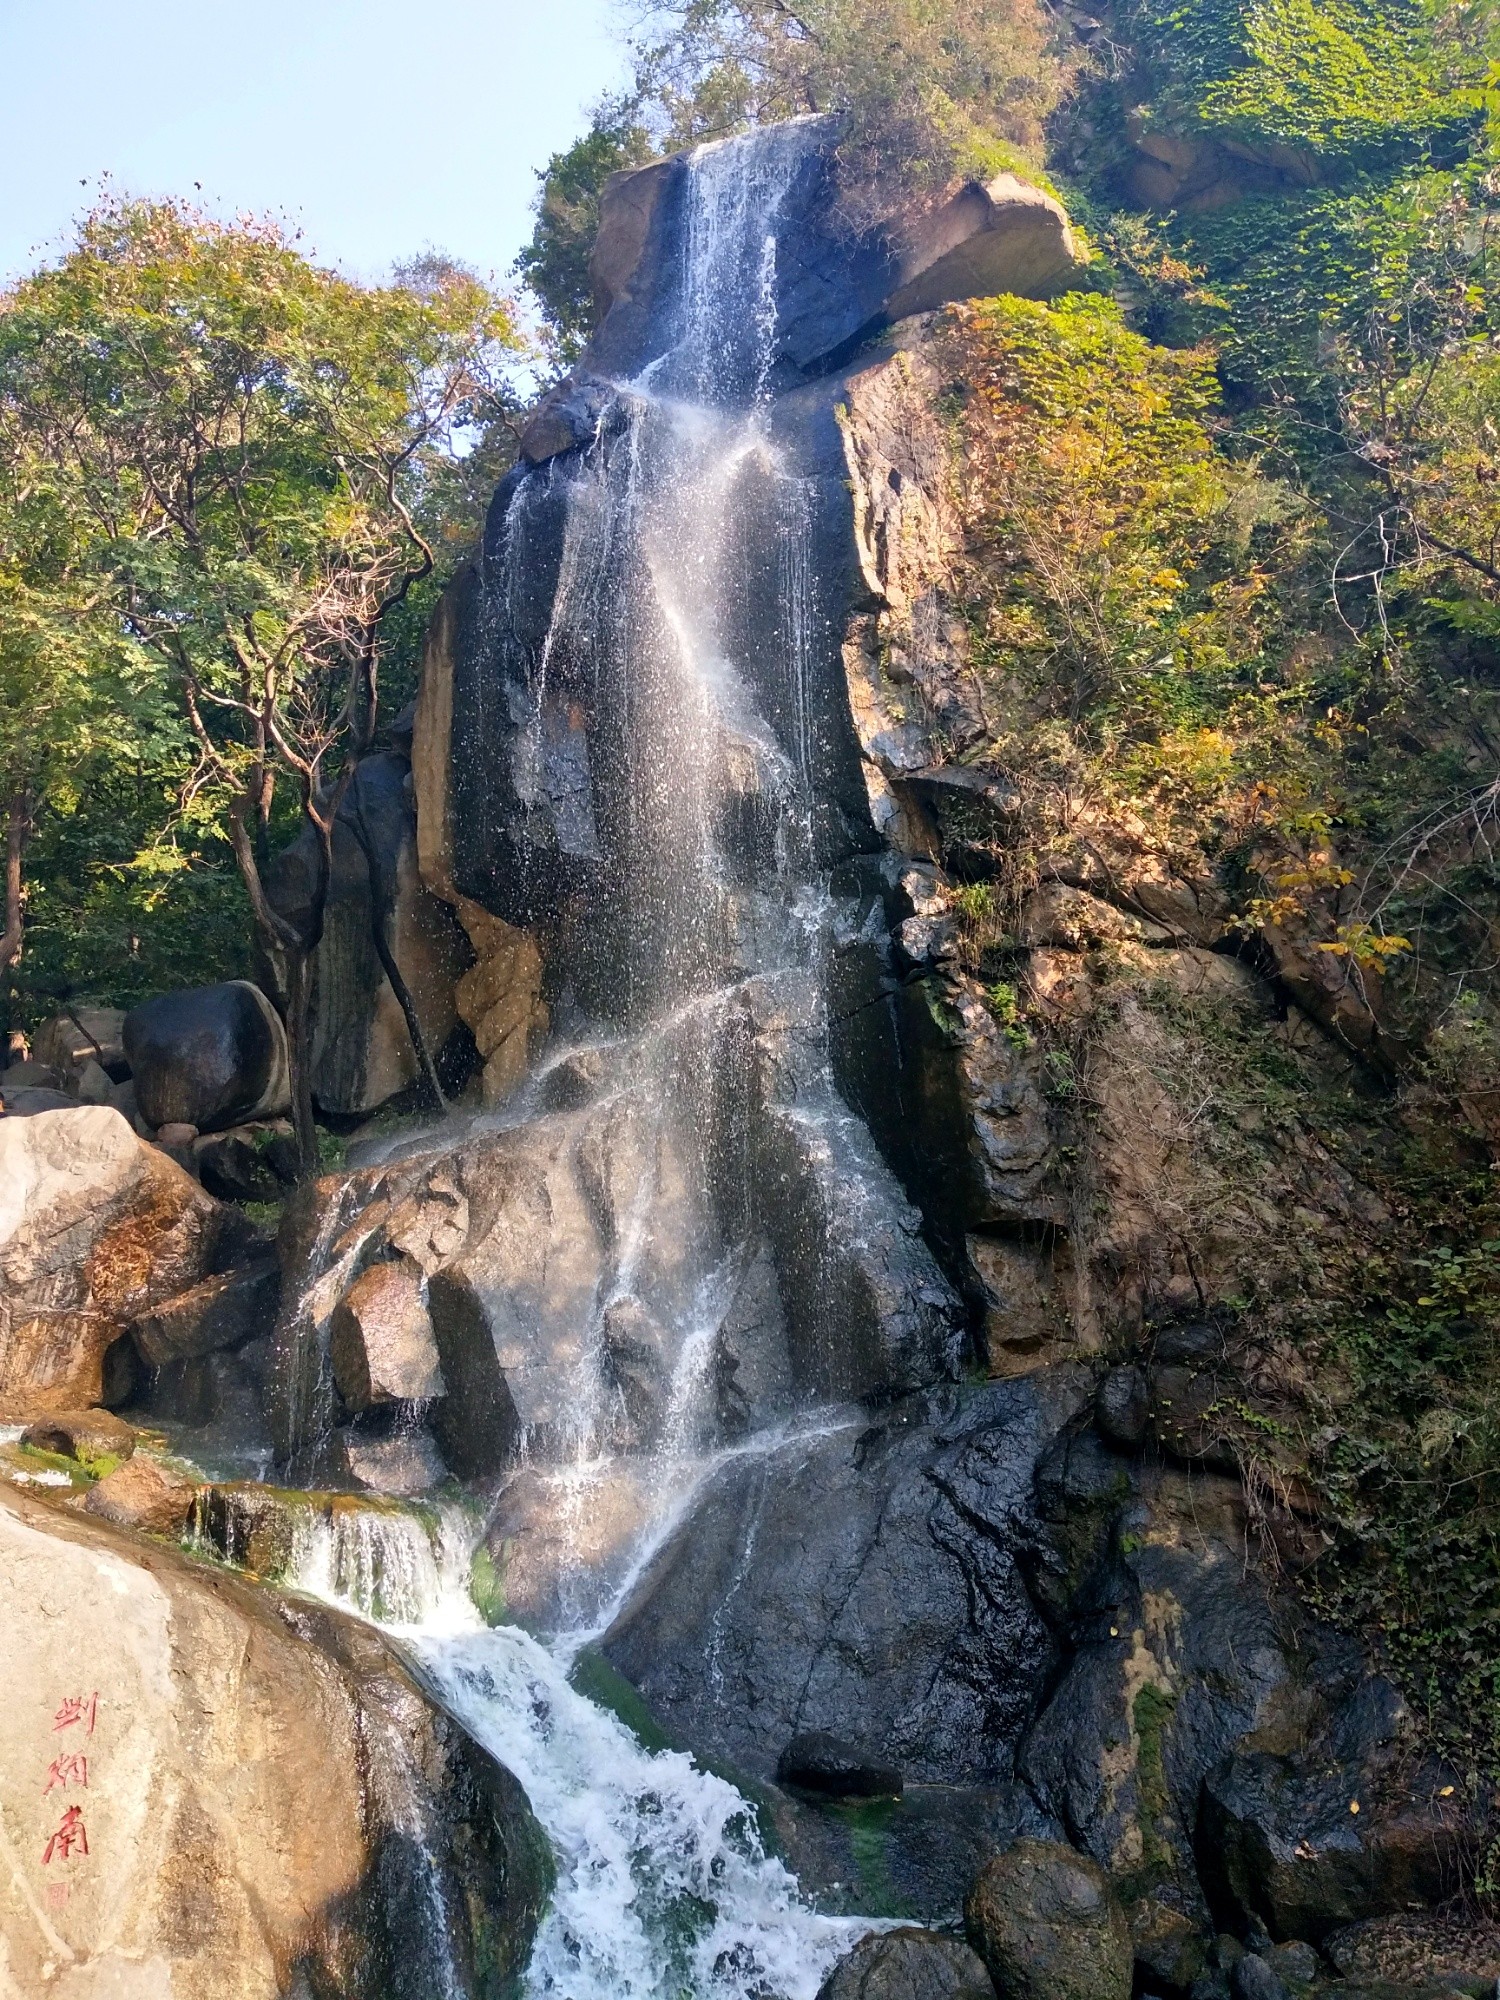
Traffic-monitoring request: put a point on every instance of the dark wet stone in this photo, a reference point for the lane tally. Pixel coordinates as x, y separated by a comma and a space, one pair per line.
209, 1056
1045, 1921
908, 1965
1122, 1407
818, 1762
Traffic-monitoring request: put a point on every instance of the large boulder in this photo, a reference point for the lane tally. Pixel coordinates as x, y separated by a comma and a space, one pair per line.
209, 1056
1048, 1926
96, 1230
207, 1796
908, 1964
878, 1593
362, 1051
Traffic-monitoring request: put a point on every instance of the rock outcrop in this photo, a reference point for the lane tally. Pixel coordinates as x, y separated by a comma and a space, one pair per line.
362, 1053
209, 1797
97, 1230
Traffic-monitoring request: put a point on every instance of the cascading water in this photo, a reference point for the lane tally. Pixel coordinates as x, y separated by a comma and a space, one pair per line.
678, 837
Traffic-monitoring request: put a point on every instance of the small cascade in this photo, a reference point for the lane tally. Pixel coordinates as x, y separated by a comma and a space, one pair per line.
664, 1885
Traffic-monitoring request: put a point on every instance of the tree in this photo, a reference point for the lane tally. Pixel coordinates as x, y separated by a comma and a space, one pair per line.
71, 693
235, 445
928, 91
555, 263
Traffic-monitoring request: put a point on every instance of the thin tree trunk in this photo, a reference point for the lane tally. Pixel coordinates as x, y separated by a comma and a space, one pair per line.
294, 949
17, 832
382, 902
299, 1058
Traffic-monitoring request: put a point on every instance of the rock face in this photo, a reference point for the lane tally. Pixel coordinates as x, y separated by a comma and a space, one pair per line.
96, 1230
565, 1261
1047, 1925
880, 1594
383, 1350
362, 1053
209, 1057
206, 1799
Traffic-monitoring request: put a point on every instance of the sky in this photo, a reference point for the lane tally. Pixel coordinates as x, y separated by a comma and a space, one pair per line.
380, 127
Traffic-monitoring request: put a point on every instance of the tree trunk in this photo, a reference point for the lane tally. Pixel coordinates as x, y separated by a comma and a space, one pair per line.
294, 949
299, 1058
18, 818
18, 814
382, 903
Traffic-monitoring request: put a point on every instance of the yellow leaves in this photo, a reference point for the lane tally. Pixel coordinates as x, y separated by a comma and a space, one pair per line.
1364, 945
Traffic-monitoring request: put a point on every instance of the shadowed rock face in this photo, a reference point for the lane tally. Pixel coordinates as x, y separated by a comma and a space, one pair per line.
270, 1807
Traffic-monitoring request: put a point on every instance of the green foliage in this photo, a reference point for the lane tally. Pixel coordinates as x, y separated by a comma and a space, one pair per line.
223, 472
555, 263
1333, 77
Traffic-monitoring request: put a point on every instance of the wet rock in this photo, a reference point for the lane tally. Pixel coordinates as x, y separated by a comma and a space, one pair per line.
382, 1343
752, 1370
818, 1762
908, 1965
1307, 1849
210, 1056
219, 1312
146, 1495
1177, 1654
1122, 1408
1046, 1923
866, 1582
96, 1439
913, 1857
362, 1053
221, 1395
559, 1544
401, 1467
96, 1229
269, 1799
251, 1163
636, 1369
1297, 1963
1254, 1978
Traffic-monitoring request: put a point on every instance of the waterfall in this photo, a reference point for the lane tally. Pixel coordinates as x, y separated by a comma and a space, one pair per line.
703, 1255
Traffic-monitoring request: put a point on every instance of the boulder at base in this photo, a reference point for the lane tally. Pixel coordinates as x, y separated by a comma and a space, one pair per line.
908, 1964
1048, 1927
209, 1056
96, 1229
210, 1797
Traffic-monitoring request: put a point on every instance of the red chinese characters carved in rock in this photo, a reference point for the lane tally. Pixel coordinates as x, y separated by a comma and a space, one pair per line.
78, 1708
65, 1771
71, 1836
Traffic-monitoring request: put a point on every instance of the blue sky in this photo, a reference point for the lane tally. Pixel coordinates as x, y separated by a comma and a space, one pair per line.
379, 126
